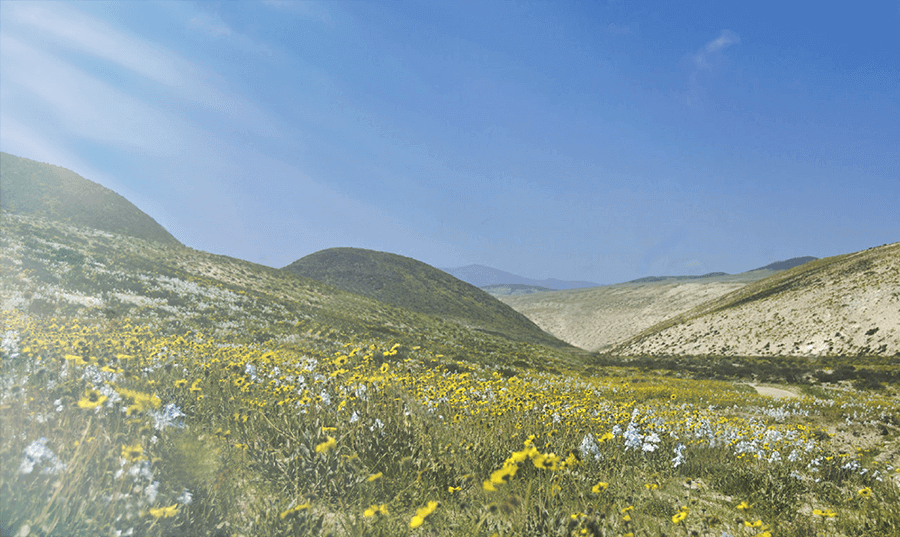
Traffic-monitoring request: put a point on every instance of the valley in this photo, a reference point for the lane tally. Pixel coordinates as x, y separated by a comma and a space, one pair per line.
148, 388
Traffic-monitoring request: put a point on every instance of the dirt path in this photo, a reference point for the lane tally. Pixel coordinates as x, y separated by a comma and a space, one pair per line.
777, 393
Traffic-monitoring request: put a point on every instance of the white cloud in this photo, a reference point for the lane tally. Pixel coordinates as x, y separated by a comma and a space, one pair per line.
76, 101
726, 39
46, 25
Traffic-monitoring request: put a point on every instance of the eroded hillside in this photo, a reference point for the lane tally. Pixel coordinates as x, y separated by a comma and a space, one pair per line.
847, 305
598, 317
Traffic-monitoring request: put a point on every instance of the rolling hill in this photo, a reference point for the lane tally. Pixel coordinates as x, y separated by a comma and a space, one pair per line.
28, 187
848, 305
73, 248
416, 286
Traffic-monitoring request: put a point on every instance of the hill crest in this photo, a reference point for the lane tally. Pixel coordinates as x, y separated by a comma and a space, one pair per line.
416, 286
33, 188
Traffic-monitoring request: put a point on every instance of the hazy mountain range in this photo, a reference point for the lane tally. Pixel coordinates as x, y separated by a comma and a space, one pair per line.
72, 247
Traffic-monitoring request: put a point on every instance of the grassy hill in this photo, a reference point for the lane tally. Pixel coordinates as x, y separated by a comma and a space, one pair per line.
416, 286
55, 269
838, 306
28, 187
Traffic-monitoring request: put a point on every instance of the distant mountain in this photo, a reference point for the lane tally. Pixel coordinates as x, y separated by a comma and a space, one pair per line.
788, 264
482, 276
416, 286
838, 306
32, 188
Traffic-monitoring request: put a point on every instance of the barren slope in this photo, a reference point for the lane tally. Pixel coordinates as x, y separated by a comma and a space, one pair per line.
838, 306
598, 317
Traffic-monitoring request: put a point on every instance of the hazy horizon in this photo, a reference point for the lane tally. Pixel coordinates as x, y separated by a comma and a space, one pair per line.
590, 142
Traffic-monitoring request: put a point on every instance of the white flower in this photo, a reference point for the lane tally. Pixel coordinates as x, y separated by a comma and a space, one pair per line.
35, 453
589, 447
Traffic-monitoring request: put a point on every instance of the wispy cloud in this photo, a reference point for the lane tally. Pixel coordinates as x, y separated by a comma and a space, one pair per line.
703, 61
63, 28
726, 39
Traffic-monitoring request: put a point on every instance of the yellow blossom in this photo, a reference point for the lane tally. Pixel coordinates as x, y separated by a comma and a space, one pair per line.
164, 512
422, 513
133, 453
91, 399
329, 443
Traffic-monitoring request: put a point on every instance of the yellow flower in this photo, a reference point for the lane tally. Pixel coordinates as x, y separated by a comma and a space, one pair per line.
865, 492
451, 489
678, 517
651, 486
292, 510
195, 386
422, 513
180, 383
384, 368
91, 399
329, 443
164, 512
743, 506
753, 524
375, 510
373, 477
133, 453
501, 476
828, 513
601, 486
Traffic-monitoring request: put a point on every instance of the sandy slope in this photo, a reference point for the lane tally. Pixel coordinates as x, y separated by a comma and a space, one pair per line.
846, 305
598, 317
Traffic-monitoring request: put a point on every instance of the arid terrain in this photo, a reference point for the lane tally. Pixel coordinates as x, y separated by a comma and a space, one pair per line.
846, 305
598, 317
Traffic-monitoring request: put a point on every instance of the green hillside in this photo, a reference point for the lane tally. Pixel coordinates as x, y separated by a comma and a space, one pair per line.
416, 286
33, 188
58, 270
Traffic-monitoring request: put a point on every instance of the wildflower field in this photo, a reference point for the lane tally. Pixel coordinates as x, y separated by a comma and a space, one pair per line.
150, 390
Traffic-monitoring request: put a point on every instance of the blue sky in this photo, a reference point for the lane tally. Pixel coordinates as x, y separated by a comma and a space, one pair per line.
599, 141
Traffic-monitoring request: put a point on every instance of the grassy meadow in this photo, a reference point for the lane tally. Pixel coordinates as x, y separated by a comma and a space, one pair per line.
150, 389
